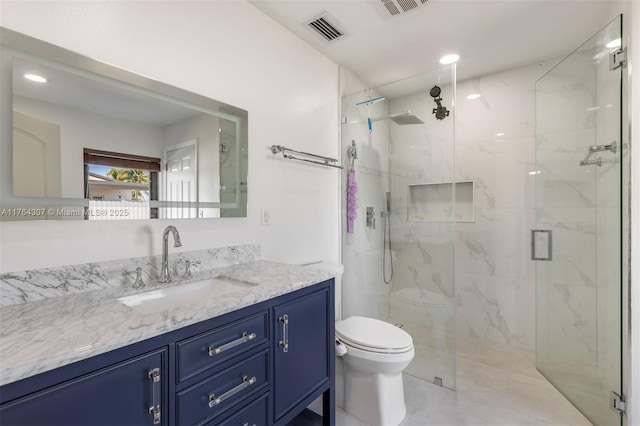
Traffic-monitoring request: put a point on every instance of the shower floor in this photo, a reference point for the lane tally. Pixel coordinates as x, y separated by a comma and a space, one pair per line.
496, 385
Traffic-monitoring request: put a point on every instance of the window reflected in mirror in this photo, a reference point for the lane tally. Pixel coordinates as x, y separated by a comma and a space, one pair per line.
120, 186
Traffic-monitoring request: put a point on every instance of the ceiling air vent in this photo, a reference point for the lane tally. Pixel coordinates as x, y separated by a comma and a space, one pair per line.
323, 26
398, 7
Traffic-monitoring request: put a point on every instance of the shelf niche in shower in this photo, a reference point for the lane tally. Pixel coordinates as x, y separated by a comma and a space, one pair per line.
432, 202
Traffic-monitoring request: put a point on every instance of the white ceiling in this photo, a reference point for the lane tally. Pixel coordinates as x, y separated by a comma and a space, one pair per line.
489, 35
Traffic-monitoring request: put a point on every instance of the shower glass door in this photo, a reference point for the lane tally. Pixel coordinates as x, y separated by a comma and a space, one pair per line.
577, 240
399, 252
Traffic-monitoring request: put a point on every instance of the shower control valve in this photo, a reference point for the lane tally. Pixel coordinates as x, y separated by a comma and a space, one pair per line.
371, 218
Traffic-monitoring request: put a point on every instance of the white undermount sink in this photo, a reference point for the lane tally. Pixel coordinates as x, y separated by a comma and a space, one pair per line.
184, 294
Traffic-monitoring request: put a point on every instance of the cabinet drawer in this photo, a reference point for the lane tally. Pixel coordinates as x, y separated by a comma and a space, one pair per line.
222, 344
254, 414
212, 396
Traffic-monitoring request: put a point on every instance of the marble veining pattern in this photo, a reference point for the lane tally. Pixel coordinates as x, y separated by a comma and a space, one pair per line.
45, 334
495, 147
28, 286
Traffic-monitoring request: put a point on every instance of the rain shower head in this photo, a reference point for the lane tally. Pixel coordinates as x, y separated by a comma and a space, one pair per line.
402, 119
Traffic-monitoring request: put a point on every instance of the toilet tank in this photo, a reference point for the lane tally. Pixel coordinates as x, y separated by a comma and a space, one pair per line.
336, 269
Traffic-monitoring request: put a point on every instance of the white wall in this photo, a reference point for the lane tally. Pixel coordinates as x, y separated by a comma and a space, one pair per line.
229, 51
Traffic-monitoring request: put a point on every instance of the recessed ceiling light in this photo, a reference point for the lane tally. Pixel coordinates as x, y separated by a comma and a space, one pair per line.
473, 96
449, 59
35, 77
499, 134
614, 43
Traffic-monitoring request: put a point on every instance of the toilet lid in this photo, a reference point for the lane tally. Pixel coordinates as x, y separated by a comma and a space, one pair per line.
373, 333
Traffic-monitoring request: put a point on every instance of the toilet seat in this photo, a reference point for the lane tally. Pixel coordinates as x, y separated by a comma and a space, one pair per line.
373, 335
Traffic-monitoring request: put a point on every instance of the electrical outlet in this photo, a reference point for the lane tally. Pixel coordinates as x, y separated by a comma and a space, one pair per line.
265, 216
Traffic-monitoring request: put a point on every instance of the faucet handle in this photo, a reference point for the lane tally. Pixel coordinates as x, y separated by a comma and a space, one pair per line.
187, 272
138, 283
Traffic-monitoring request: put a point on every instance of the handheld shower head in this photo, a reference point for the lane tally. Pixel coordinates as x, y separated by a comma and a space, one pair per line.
440, 111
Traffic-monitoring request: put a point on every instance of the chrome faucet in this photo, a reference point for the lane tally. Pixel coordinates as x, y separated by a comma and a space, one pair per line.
165, 277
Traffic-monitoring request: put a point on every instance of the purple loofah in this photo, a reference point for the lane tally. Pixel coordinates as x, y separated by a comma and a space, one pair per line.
352, 189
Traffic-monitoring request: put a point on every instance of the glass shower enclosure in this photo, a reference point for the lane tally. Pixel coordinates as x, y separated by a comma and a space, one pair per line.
578, 235
397, 140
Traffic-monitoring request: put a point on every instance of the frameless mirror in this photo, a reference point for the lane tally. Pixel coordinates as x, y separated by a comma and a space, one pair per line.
85, 140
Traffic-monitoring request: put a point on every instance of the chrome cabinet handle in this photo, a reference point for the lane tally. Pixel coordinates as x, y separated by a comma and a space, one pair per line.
535, 255
154, 410
246, 337
246, 382
284, 343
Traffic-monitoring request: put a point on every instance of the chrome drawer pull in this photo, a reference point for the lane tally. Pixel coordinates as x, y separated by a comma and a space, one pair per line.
213, 350
154, 410
246, 382
284, 343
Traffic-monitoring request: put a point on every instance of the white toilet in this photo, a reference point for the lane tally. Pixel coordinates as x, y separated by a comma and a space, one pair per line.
369, 374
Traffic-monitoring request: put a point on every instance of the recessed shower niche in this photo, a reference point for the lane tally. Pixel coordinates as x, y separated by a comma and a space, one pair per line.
432, 202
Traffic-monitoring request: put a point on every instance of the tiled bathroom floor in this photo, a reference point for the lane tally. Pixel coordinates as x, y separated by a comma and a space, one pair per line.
496, 385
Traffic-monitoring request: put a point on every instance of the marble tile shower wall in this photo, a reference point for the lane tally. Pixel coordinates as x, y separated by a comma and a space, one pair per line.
566, 204
423, 246
495, 142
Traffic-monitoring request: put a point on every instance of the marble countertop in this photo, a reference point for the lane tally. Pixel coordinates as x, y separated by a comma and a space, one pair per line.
45, 334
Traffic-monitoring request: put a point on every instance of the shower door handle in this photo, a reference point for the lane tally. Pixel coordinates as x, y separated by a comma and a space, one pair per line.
541, 244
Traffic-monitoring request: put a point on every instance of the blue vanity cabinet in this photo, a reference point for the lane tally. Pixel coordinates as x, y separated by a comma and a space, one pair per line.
303, 361
262, 364
133, 392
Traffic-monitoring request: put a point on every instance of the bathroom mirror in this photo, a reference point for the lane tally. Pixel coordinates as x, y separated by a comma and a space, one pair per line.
83, 140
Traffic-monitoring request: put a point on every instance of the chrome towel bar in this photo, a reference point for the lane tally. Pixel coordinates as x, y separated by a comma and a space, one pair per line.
314, 158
